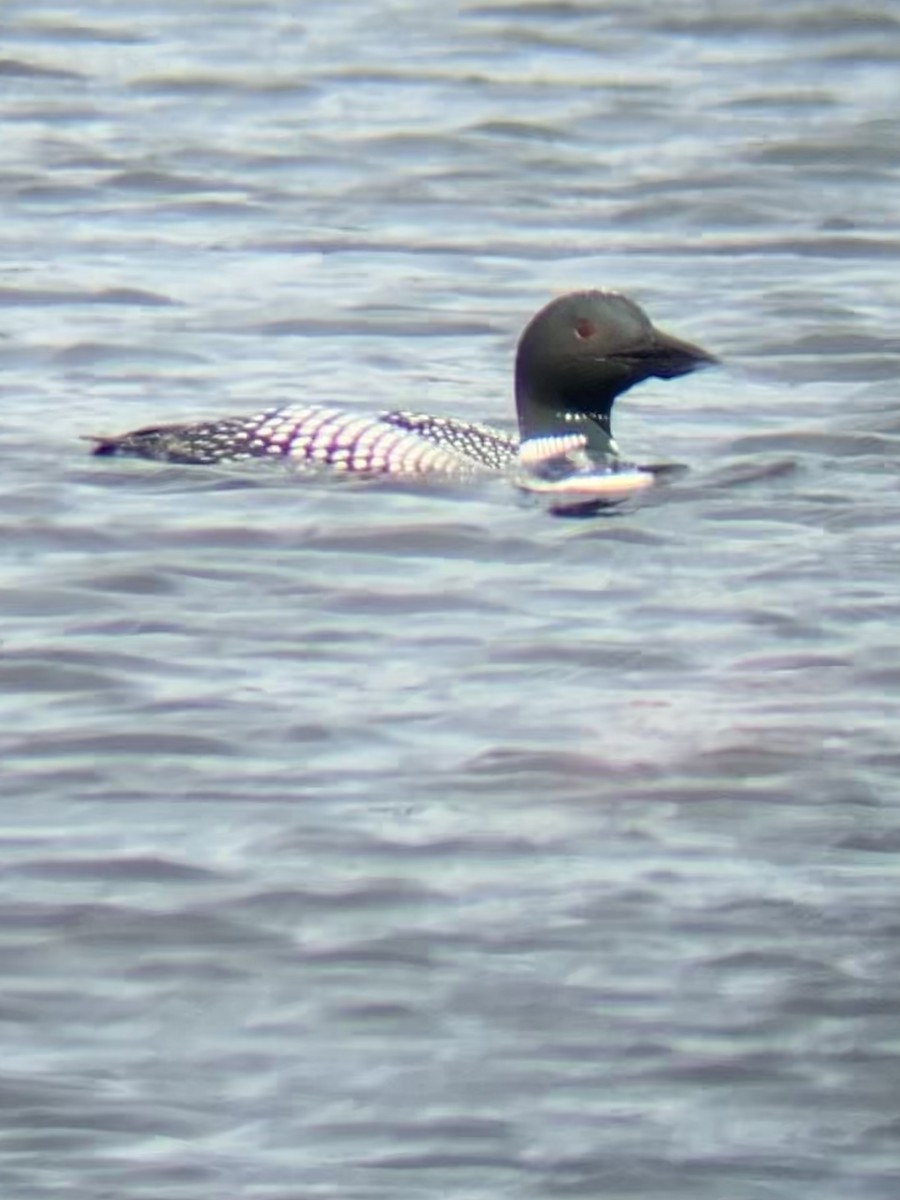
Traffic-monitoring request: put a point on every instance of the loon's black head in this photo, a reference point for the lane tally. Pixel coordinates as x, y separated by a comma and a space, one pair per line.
581, 352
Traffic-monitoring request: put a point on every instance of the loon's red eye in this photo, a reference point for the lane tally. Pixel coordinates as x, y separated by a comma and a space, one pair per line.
585, 328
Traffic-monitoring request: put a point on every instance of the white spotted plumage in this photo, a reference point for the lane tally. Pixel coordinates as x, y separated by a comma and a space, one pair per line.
396, 444
320, 436
401, 444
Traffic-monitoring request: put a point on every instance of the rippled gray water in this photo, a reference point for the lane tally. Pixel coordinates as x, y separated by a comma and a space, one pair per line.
366, 841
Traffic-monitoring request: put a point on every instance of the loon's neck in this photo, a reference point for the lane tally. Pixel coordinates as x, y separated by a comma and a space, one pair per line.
559, 411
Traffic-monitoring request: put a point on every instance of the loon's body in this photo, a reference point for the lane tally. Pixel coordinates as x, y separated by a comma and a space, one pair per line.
574, 358
397, 443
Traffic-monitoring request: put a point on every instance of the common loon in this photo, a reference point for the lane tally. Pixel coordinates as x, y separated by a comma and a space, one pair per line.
574, 358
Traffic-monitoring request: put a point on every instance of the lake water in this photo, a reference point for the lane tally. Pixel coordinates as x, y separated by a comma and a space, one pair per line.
369, 842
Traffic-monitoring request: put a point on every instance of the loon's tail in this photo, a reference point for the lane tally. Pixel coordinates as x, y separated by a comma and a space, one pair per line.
103, 445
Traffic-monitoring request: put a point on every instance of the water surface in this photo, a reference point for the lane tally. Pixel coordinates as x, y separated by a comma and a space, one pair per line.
370, 841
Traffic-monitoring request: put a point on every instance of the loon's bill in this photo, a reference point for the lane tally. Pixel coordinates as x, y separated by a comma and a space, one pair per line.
574, 358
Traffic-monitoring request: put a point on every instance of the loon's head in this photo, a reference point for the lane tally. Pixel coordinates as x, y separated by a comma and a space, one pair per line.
582, 351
